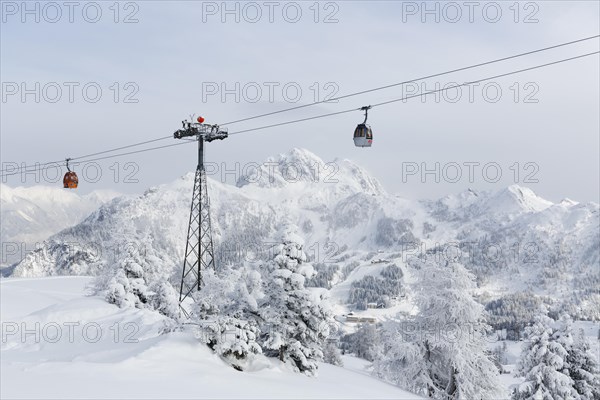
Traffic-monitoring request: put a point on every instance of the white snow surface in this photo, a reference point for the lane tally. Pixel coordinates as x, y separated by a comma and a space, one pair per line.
139, 362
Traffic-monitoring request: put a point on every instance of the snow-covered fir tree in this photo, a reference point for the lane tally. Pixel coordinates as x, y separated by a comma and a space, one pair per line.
139, 278
365, 342
234, 339
441, 352
227, 311
407, 364
331, 354
164, 298
127, 287
583, 368
579, 362
499, 356
297, 317
544, 363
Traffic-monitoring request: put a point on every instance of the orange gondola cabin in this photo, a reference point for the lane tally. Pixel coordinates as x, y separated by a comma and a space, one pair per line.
70, 181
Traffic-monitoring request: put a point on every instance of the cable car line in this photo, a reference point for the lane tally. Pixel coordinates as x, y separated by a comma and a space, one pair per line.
142, 151
491, 77
123, 147
349, 110
37, 165
350, 94
94, 154
294, 121
107, 157
412, 80
20, 168
416, 95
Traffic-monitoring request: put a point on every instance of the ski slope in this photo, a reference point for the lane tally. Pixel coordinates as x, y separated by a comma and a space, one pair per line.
59, 341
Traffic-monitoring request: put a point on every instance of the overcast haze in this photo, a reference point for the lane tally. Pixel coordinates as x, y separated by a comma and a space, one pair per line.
546, 120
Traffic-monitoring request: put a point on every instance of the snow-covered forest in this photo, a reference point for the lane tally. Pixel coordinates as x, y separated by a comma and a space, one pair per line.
304, 281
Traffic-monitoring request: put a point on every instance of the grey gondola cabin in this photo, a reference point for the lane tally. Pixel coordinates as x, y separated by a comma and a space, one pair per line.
363, 135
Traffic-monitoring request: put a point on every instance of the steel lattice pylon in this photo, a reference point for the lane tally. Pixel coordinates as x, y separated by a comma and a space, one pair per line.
199, 253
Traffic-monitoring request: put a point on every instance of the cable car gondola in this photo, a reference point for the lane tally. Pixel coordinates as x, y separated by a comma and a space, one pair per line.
363, 135
70, 181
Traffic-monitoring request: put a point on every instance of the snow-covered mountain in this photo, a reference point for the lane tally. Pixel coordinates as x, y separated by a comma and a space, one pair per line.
517, 241
340, 206
31, 214
513, 239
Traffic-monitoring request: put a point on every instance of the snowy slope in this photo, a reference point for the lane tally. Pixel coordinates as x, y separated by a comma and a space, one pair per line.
116, 353
514, 240
29, 215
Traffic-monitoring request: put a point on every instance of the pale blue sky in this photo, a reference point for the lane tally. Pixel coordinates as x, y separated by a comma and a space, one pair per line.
170, 52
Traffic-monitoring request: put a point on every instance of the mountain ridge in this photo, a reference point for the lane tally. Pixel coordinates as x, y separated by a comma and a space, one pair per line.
344, 226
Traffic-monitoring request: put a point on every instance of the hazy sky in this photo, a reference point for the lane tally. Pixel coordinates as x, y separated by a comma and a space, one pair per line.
157, 62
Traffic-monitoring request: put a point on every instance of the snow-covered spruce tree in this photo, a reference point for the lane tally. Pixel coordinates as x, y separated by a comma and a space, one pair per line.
331, 354
139, 278
296, 318
227, 310
405, 364
366, 342
164, 298
544, 364
584, 368
499, 356
128, 287
441, 352
580, 363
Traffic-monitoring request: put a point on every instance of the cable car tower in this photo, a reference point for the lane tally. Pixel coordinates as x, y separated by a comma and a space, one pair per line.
199, 253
